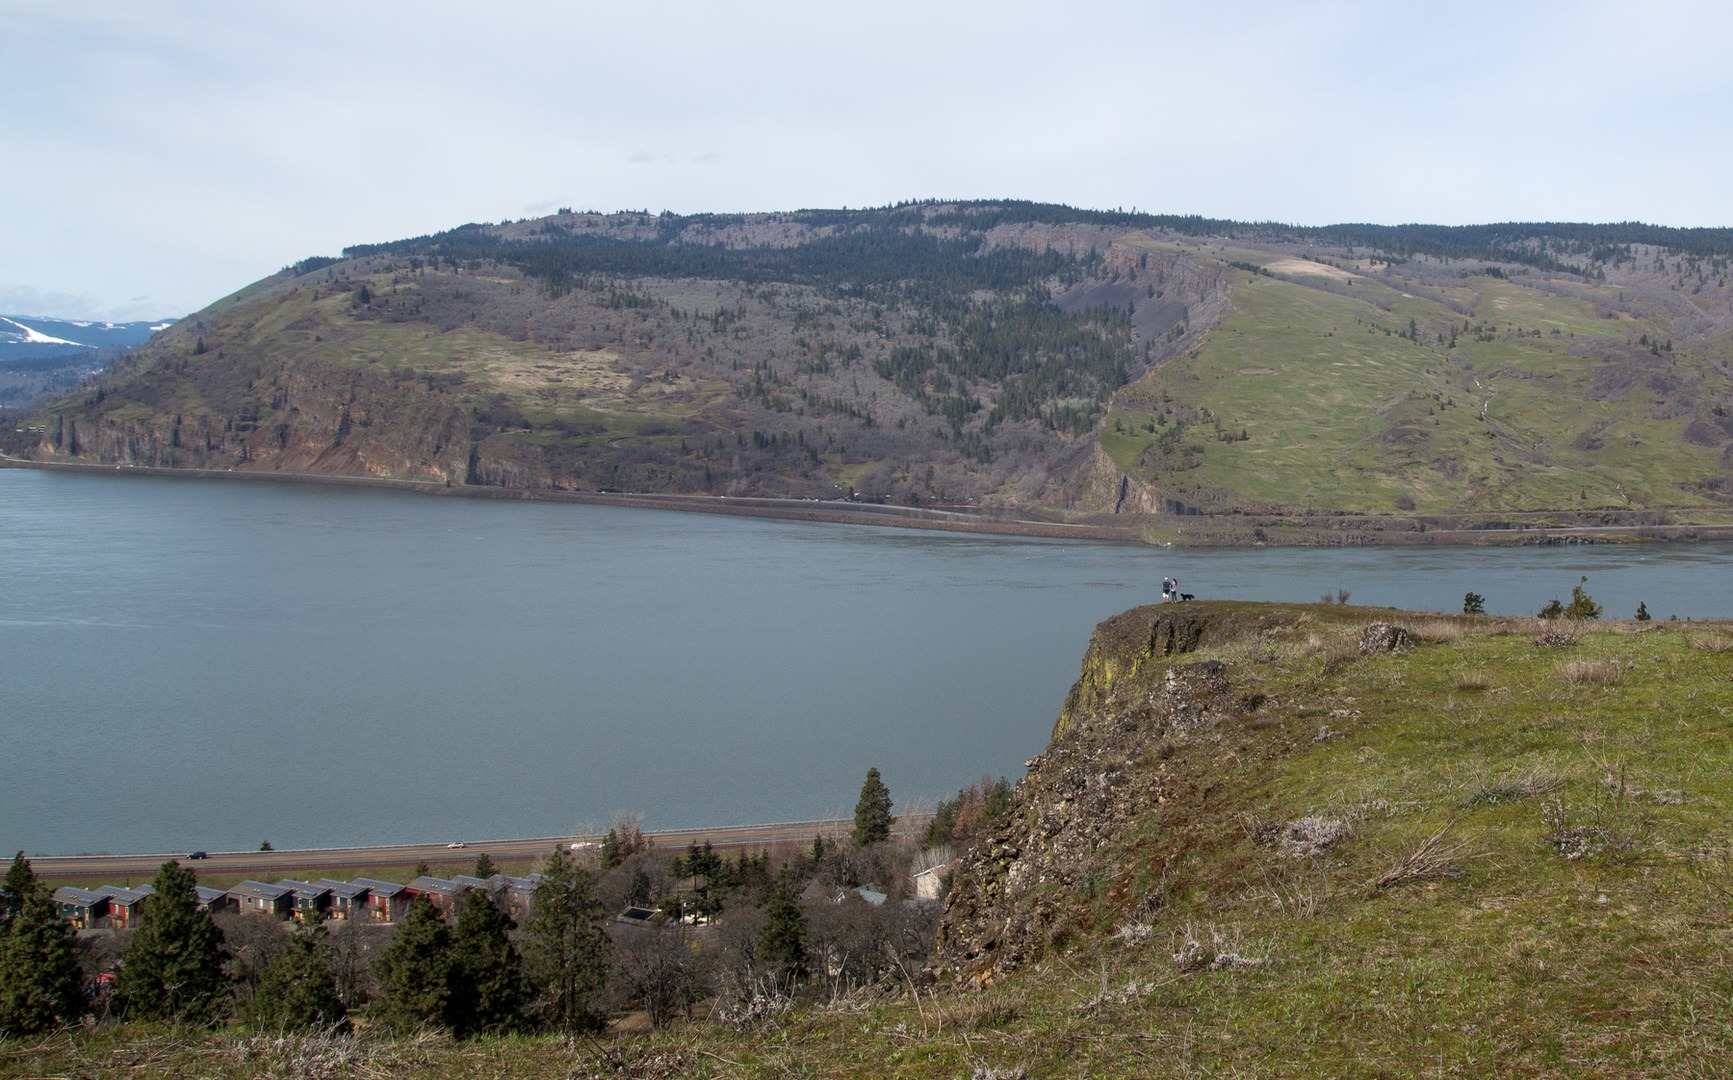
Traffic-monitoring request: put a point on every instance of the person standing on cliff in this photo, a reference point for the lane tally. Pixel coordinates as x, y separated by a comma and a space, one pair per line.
1168, 587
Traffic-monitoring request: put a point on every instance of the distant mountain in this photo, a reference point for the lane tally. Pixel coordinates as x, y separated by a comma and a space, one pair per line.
30, 337
1176, 377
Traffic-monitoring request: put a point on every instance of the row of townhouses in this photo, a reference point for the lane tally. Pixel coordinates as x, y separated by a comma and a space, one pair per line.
305, 901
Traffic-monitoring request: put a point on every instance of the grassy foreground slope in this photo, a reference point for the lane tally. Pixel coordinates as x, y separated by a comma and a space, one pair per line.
1255, 847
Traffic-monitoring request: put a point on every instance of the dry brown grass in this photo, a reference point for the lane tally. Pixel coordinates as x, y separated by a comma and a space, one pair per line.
1719, 644
1529, 783
1592, 672
1473, 680
1438, 631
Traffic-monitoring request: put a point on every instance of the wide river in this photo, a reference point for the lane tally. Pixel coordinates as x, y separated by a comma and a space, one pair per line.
206, 664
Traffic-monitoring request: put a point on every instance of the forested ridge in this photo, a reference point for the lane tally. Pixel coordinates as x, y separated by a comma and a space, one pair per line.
1119, 368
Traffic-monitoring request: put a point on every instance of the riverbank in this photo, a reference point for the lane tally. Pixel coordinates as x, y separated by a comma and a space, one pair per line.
833, 511
1186, 530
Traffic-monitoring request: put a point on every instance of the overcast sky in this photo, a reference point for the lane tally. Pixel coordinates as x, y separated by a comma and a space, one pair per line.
156, 156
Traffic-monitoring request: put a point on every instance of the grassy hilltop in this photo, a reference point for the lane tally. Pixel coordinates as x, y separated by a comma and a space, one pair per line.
1172, 377
1268, 840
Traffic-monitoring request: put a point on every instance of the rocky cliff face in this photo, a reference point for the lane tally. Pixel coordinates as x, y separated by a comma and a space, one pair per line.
311, 418
1134, 748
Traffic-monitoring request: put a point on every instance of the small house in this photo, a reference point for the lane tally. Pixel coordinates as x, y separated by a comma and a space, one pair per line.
348, 898
124, 904
259, 898
212, 899
310, 901
444, 894
930, 883
80, 907
520, 895
387, 901
643, 918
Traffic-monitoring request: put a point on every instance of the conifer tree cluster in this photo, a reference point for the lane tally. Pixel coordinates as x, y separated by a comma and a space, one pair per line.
40, 984
794, 923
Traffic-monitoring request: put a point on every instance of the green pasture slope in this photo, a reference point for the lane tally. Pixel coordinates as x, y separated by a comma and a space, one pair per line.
1346, 394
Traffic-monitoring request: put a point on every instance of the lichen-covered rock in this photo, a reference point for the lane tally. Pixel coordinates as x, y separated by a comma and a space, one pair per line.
1381, 637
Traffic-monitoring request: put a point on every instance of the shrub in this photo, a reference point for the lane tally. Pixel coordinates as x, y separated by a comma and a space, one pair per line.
1582, 605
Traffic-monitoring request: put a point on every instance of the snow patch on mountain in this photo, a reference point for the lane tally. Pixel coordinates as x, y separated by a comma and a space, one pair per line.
28, 336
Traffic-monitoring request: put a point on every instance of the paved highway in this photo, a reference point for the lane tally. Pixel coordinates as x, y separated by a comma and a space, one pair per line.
335, 862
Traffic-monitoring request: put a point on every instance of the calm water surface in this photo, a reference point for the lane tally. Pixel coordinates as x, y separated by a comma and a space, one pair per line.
190, 664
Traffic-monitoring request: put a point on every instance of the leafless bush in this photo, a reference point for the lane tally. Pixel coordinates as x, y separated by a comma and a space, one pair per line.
1718, 644
859, 943
1559, 634
1612, 828
1434, 858
322, 1053
1570, 839
251, 942
1134, 934
732, 950
755, 1005
653, 969
1473, 680
1221, 951
355, 945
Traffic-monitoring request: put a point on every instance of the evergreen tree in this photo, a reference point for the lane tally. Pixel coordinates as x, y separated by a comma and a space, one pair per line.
565, 947
16, 889
611, 856
1473, 604
1643, 612
1582, 605
414, 971
40, 983
872, 813
488, 992
173, 970
782, 940
484, 867
296, 989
